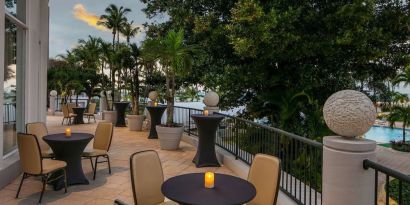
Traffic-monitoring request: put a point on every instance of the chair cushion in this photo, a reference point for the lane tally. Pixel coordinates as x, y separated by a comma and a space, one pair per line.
168, 203
94, 153
50, 165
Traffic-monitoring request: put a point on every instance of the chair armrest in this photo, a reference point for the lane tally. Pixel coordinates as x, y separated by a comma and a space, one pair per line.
119, 202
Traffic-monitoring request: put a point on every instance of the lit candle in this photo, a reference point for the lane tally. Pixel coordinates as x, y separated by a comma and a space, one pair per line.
68, 132
206, 112
155, 103
209, 180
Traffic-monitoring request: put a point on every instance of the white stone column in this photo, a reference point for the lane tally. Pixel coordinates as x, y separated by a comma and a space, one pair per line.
348, 113
53, 96
344, 179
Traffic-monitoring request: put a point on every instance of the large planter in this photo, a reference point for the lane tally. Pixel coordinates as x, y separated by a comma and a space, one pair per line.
135, 122
169, 137
110, 116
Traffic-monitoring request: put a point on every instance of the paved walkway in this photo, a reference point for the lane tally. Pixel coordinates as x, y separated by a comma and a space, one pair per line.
106, 187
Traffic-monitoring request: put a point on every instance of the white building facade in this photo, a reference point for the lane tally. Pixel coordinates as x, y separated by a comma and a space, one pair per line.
24, 28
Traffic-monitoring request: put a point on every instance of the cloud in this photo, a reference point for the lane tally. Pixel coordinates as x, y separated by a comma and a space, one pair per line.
81, 13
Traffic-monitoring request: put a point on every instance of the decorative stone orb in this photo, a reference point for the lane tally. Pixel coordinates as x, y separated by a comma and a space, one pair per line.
211, 99
102, 94
349, 113
153, 95
53, 93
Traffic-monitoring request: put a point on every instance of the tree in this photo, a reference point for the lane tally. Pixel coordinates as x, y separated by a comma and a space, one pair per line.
403, 77
400, 114
114, 19
129, 31
175, 57
253, 48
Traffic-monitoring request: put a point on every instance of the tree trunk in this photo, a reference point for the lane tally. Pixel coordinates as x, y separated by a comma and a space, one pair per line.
170, 99
404, 132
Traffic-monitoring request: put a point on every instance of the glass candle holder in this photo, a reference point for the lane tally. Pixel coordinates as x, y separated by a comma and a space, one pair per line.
155, 103
68, 132
209, 180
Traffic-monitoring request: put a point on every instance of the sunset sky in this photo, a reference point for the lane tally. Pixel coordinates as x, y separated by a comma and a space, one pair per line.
71, 20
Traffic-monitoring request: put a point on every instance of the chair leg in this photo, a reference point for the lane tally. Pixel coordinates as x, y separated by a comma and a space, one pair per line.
91, 162
94, 118
95, 167
109, 164
45, 178
65, 180
63, 121
21, 184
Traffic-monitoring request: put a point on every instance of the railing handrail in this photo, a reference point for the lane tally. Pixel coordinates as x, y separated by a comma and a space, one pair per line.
391, 172
296, 137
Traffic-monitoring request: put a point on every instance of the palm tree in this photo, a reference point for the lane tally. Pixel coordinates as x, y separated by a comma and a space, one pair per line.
129, 31
114, 19
400, 98
403, 77
402, 114
175, 58
89, 52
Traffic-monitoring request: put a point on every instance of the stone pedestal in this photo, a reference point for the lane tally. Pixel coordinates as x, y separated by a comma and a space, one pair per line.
211, 109
344, 179
103, 103
52, 105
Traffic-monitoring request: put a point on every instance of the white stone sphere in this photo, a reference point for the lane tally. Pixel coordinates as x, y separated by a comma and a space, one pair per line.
153, 95
53, 93
211, 99
102, 94
349, 113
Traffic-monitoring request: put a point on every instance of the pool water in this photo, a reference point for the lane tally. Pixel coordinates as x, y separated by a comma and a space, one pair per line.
386, 134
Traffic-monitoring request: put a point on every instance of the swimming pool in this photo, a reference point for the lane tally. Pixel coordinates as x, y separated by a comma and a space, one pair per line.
385, 134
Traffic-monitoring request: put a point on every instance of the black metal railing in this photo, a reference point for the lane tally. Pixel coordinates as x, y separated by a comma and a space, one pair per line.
9, 113
301, 158
396, 187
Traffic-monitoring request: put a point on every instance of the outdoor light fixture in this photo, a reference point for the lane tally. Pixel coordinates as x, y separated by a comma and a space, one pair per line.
206, 112
68, 132
155, 103
209, 180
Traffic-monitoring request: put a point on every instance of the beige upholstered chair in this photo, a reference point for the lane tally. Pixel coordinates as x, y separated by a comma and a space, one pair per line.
39, 130
101, 146
264, 174
90, 112
70, 107
146, 179
33, 165
66, 114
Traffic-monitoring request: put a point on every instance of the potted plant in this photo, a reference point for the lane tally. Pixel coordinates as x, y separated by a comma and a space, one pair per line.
135, 119
175, 58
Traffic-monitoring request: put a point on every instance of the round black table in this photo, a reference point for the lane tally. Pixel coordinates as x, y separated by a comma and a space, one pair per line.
190, 189
156, 114
69, 149
79, 111
205, 153
120, 107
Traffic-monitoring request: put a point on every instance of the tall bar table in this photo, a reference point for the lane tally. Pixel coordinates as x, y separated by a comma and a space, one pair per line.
120, 107
156, 114
207, 126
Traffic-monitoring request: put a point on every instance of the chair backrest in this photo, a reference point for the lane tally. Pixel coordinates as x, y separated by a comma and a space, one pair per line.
65, 110
264, 174
70, 107
103, 136
30, 155
91, 108
39, 130
146, 177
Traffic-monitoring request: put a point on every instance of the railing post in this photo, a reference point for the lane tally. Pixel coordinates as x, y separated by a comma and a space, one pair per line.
236, 139
189, 121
